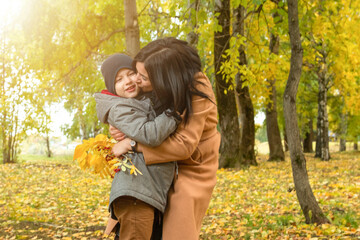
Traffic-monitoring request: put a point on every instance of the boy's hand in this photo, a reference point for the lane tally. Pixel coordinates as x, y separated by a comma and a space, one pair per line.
116, 134
121, 147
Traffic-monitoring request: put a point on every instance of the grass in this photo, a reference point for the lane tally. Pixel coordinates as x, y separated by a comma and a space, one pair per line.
43, 198
59, 159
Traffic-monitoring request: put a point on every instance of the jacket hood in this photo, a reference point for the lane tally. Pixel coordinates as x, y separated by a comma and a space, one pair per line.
104, 102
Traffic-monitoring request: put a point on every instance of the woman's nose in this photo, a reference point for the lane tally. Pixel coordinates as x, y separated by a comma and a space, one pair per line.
138, 78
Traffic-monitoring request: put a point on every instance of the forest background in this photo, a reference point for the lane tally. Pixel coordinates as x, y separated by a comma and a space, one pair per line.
50, 53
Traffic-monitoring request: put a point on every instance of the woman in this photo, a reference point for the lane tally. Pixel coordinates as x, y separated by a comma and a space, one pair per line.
172, 69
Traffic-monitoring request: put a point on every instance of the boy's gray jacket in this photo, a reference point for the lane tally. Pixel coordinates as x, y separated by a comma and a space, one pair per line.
137, 119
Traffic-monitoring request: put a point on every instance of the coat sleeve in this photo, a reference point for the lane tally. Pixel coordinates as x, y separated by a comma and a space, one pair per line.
135, 123
182, 144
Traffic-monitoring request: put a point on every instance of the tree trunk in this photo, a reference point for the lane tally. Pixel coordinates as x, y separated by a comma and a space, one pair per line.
247, 143
3, 108
246, 109
286, 145
228, 116
322, 140
272, 126
83, 130
342, 147
343, 130
309, 137
3, 137
192, 37
13, 152
9, 141
8, 134
318, 136
132, 33
48, 149
308, 203
356, 148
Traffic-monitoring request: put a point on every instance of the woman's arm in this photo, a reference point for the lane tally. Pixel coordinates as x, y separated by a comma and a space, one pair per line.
182, 144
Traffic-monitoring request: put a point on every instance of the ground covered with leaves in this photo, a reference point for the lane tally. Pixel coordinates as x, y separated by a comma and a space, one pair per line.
54, 199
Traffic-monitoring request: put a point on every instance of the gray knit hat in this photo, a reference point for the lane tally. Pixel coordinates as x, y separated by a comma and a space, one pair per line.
111, 66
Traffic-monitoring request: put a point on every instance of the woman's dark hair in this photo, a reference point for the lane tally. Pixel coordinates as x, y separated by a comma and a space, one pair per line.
171, 65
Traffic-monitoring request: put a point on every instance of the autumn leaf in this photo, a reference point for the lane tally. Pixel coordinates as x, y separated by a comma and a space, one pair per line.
95, 154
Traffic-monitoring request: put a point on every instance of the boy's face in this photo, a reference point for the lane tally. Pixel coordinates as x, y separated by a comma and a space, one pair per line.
125, 85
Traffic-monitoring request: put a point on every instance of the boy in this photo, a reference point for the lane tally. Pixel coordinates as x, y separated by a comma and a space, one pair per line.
135, 197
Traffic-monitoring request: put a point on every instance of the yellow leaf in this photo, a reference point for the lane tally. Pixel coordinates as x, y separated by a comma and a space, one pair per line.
79, 150
101, 137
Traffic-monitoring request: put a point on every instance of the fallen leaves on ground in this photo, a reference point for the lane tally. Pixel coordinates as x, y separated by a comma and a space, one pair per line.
48, 200
261, 202
51, 201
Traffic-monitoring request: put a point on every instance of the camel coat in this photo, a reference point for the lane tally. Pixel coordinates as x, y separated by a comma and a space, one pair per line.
196, 148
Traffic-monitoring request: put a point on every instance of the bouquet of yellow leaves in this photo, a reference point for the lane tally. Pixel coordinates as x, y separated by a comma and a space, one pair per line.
96, 154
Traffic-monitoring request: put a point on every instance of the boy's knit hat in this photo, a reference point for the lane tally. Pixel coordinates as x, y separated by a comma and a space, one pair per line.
111, 66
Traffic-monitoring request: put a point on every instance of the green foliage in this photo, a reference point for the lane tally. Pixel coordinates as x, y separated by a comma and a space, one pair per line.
61, 44
261, 134
231, 67
307, 101
353, 127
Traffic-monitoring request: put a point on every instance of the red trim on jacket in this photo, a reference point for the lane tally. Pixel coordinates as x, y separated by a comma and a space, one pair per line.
108, 93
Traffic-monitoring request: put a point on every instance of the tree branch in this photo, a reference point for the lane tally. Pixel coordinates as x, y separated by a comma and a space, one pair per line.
89, 53
142, 10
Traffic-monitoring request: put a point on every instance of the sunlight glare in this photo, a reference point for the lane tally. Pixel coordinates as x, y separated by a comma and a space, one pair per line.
8, 10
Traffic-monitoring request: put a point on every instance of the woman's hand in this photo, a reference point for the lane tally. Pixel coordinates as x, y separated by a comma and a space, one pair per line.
121, 147
116, 134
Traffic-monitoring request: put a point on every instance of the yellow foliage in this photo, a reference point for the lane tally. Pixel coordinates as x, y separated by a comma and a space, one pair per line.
96, 154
